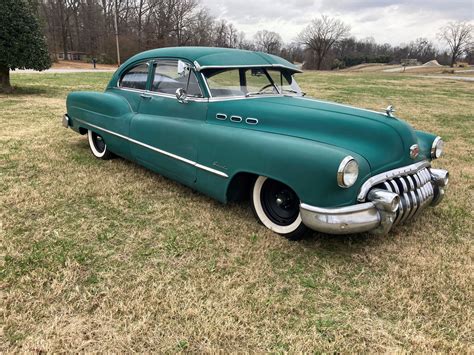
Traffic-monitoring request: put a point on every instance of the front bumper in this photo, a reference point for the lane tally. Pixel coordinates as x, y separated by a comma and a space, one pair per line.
393, 198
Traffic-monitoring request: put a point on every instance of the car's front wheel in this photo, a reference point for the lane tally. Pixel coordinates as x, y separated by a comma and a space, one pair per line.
98, 146
277, 206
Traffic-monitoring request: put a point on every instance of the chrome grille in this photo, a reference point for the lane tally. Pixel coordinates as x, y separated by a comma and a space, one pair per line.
415, 190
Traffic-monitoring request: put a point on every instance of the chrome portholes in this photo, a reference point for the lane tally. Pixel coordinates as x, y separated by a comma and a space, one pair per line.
236, 119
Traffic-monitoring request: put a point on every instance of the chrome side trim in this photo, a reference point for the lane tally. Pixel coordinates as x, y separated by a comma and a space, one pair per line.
221, 116
374, 180
164, 152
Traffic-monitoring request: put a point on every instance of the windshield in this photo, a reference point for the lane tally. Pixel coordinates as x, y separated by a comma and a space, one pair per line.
250, 82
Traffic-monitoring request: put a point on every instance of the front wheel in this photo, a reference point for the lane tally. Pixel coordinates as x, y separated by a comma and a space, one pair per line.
98, 146
278, 208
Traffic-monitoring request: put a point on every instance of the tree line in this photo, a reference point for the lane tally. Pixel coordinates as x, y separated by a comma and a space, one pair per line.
88, 26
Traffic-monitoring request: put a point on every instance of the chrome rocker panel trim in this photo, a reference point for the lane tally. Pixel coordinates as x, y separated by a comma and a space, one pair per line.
379, 214
161, 151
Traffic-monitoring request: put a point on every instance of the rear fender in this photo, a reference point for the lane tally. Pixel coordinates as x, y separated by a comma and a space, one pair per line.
102, 112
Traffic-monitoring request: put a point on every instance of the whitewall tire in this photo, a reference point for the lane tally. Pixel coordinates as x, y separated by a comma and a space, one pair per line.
97, 145
277, 207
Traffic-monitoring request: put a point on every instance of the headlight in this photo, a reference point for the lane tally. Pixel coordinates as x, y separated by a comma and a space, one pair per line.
348, 172
437, 148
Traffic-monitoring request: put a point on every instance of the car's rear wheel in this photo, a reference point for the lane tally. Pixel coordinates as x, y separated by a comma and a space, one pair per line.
277, 207
98, 147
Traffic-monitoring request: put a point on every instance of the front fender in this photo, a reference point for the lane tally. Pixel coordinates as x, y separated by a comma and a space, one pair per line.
425, 141
308, 167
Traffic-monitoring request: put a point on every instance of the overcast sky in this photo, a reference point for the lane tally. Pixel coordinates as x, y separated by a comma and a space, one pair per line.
393, 22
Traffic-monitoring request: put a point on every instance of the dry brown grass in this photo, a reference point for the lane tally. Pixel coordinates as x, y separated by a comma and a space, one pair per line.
107, 256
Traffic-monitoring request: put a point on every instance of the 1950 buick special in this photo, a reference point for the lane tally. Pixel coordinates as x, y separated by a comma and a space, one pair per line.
233, 123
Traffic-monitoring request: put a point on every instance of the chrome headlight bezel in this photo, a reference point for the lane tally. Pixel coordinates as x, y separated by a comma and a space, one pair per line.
346, 176
437, 148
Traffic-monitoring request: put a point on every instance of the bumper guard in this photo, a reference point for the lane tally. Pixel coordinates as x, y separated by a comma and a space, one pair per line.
379, 213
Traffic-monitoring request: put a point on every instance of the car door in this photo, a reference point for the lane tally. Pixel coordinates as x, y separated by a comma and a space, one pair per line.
168, 129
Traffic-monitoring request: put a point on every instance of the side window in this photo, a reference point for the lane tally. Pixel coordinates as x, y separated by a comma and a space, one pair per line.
224, 83
171, 75
135, 78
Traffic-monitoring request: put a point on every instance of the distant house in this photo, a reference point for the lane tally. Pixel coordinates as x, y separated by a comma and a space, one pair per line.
409, 62
71, 55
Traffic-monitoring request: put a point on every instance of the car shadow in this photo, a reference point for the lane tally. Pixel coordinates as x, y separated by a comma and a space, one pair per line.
26, 90
341, 244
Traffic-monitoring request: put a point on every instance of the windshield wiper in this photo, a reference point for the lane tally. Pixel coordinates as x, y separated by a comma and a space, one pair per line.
251, 93
294, 92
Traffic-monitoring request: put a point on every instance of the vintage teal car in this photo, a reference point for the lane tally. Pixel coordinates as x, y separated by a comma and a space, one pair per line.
232, 123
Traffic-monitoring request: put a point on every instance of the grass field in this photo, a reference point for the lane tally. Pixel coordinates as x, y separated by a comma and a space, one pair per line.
107, 256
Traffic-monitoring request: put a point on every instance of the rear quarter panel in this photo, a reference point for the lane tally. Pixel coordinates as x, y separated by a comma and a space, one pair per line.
106, 110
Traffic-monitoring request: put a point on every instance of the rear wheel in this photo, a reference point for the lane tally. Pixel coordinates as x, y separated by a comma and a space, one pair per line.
98, 146
277, 206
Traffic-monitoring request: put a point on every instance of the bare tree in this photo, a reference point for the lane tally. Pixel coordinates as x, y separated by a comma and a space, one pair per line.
268, 41
321, 35
458, 36
421, 49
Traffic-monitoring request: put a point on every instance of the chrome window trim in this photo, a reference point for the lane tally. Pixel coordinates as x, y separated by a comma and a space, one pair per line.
203, 67
239, 97
170, 96
157, 60
203, 78
118, 86
231, 98
161, 151
403, 171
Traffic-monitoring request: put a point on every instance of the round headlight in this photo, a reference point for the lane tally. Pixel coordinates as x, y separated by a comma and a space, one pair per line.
437, 148
348, 172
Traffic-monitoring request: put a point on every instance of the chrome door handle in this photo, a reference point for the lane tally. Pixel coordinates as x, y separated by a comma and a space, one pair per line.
145, 96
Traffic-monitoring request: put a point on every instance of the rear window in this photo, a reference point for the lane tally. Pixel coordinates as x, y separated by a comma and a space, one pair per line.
135, 78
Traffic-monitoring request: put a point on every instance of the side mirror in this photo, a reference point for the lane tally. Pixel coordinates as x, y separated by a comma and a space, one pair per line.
181, 95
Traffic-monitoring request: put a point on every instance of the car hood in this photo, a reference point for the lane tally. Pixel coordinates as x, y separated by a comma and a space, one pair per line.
383, 141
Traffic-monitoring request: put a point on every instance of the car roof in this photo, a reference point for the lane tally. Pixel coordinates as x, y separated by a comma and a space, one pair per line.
214, 57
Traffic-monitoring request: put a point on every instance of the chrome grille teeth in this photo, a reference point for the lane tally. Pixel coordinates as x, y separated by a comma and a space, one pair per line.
394, 186
416, 193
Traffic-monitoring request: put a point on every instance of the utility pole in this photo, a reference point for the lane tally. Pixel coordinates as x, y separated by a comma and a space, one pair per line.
117, 33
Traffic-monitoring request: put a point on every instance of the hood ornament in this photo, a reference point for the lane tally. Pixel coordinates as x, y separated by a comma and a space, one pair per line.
414, 151
389, 110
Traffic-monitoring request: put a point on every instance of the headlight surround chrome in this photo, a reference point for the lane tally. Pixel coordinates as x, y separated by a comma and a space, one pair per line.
348, 172
437, 148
